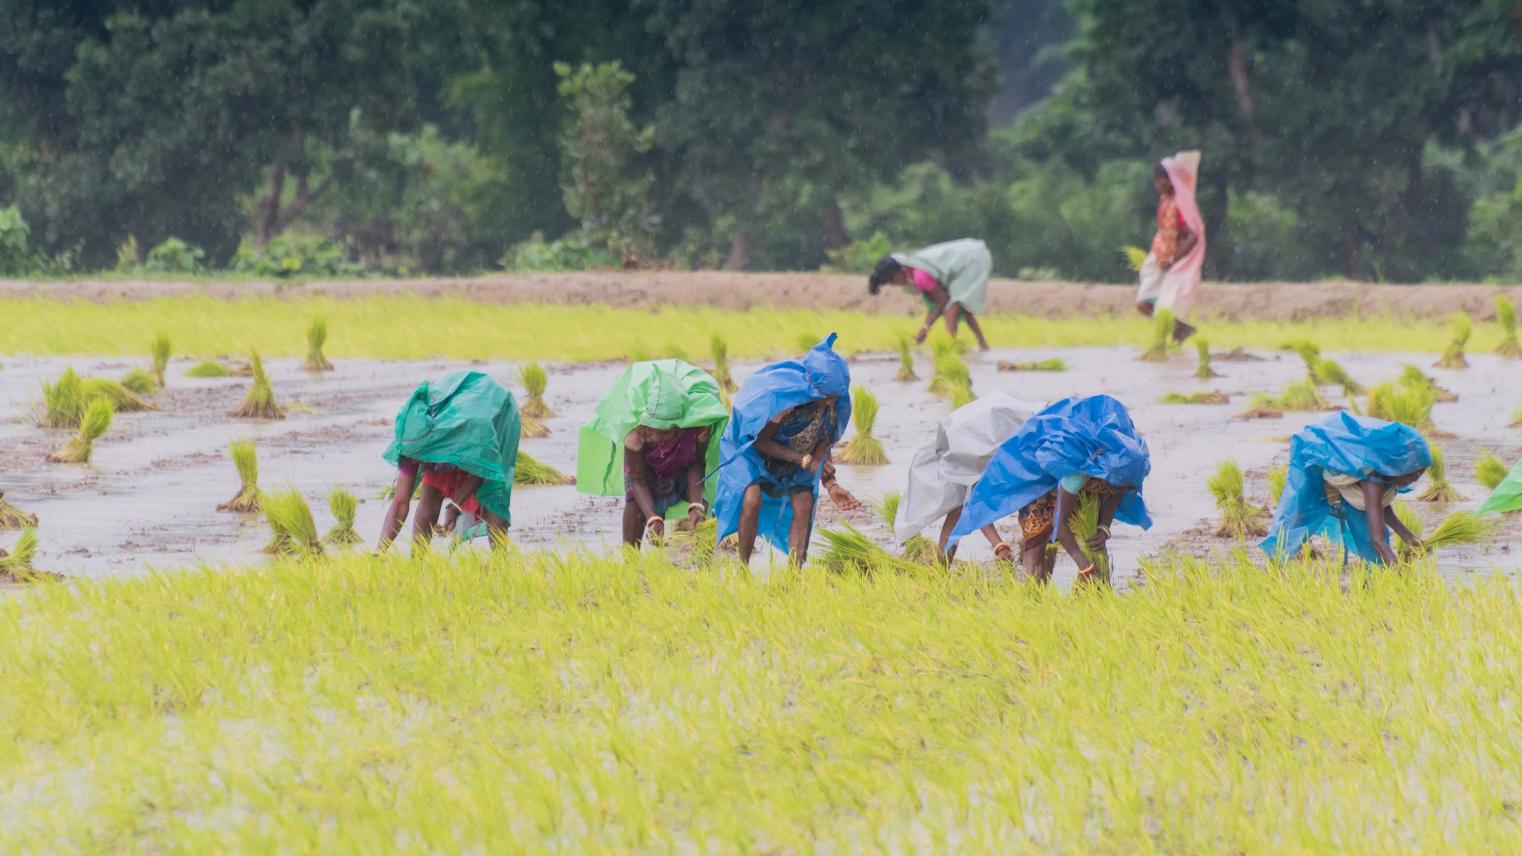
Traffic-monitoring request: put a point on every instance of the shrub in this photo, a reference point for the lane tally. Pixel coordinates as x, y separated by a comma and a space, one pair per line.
174, 256
293, 254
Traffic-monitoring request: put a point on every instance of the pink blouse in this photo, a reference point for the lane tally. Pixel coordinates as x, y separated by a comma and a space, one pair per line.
923, 281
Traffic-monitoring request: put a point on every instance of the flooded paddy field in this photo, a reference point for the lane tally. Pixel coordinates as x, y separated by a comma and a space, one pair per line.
148, 500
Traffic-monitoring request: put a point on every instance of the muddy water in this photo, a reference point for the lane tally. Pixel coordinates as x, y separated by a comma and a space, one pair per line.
148, 500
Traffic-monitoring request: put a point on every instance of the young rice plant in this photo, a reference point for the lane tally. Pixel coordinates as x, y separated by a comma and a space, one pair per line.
532, 472
863, 448
260, 401
905, 361
92, 426
1438, 488
1453, 354
293, 530
317, 336
1162, 334
246, 460
1239, 518
535, 380
1489, 471
12, 517
1506, 313
160, 351
344, 505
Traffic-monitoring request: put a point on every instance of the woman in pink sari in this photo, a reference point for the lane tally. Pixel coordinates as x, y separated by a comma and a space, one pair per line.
1171, 274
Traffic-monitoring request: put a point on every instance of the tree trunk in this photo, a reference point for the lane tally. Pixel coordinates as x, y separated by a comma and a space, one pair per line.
269, 207
1236, 67
835, 235
739, 251
1217, 237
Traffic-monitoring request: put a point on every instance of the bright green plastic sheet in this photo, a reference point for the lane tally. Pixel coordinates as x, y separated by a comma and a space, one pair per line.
1508, 494
469, 421
656, 394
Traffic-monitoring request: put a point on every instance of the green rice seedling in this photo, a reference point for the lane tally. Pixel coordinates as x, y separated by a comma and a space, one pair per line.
63, 401
1404, 403
863, 448
293, 529
92, 426
1261, 406
1310, 354
1406, 513
344, 505
533, 472
1438, 488
16, 565
1506, 313
260, 401
208, 368
1202, 369
246, 460
12, 517
1460, 527
1214, 397
1453, 354
905, 361
1330, 371
1302, 395
389, 491
1277, 477
1135, 257
918, 548
1239, 518
121, 398
962, 394
851, 552
140, 382
535, 380
1415, 378
528, 426
317, 336
721, 373
1489, 471
1516, 417
950, 372
160, 351
1084, 521
1162, 334
1048, 365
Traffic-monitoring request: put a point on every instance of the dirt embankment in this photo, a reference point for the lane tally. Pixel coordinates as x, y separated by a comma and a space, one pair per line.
1225, 301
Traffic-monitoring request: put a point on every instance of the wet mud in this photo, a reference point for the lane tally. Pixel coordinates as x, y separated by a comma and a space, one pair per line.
148, 500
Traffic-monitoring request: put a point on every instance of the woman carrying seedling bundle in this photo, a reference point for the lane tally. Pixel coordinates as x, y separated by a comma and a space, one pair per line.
1170, 276
1077, 453
460, 434
776, 451
945, 469
1344, 474
952, 278
655, 435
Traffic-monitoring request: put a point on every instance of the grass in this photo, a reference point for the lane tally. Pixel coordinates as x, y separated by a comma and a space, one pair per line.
317, 336
1202, 369
209, 368
918, 548
1239, 518
92, 426
1214, 397
160, 351
720, 351
246, 460
1506, 313
293, 530
848, 551
905, 361
863, 448
535, 380
1162, 334
387, 328
343, 504
1438, 488
1048, 365
1453, 353
260, 401
1489, 470
532, 472
355, 704
12, 517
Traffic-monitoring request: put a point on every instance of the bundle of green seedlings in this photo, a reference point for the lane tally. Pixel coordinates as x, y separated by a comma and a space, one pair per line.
851, 552
1453, 355
1084, 521
1414, 377
140, 382
1260, 406
1239, 518
863, 448
918, 548
1162, 334
246, 461
160, 351
1460, 527
122, 399
1049, 365
1212, 397
317, 336
1329, 371
344, 505
1407, 404
1506, 313
1310, 354
64, 401
533, 409
209, 368
151, 381
950, 372
697, 542
389, 491
293, 530
1202, 369
260, 401
905, 361
721, 372
962, 394
92, 426
1135, 257
1438, 488
1278, 476
532, 472
12, 517
1301, 395
1489, 471
16, 565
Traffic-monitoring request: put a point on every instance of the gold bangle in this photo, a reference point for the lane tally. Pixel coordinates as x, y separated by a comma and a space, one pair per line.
808, 459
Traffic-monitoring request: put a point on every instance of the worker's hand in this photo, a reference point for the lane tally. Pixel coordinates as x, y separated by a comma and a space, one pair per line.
695, 515
655, 529
919, 338
842, 498
1003, 552
1412, 552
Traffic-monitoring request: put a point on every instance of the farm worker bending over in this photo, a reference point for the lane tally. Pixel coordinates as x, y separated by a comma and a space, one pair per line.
1171, 273
952, 278
945, 469
1344, 473
1076, 451
776, 451
655, 435
460, 435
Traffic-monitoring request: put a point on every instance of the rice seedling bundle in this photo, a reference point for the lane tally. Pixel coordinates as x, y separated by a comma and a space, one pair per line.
1414, 377
1407, 515
1506, 313
1277, 477
1135, 257
1084, 521
92, 426
1202, 369
1261, 406
1438, 488
293, 530
317, 336
122, 399
260, 401
531, 427
950, 372
863, 448
532, 472
535, 380
140, 382
1213, 397
1330, 371
246, 460
1302, 395
389, 491
1310, 354
721, 371
905, 361
1408, 404
962, 394
918, 548
344, 505
16, 565
160, 352
1453, 354
850, 551
208, 368
1239, 518
1489, 471
12, 517
63, 401
1048, 365
1460, 527
1162, 333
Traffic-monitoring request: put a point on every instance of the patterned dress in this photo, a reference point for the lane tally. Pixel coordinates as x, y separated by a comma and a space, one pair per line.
666, 463
1036, 518
801, 429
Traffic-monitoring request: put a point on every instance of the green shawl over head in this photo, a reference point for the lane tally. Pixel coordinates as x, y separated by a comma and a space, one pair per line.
466, 420
656, 394
961, 267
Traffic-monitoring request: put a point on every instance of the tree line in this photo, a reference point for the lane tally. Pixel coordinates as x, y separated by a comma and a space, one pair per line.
311, 137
